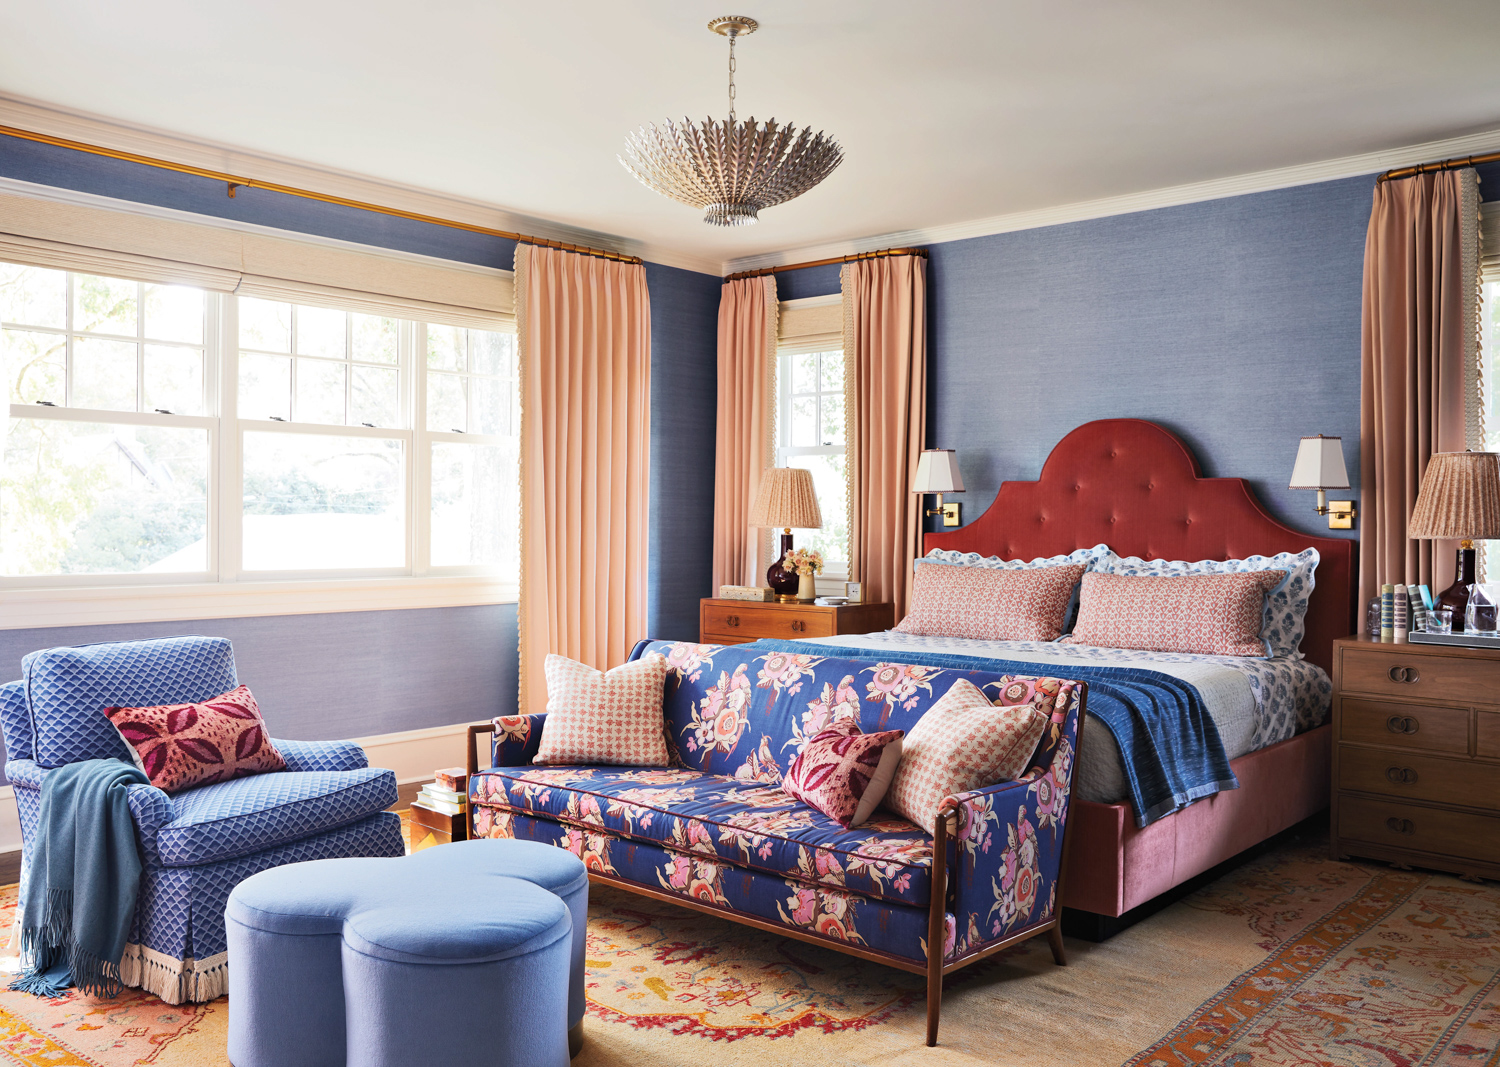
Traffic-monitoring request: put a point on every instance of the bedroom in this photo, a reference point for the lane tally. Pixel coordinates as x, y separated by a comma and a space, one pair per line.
1158, 213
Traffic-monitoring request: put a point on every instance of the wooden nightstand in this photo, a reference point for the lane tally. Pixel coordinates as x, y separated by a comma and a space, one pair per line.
733, 622
1416, 759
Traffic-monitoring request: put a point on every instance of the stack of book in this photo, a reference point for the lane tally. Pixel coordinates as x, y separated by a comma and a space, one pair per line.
440, 814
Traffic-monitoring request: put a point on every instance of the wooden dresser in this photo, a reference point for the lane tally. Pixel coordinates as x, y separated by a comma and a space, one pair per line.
733, 622
1416, 764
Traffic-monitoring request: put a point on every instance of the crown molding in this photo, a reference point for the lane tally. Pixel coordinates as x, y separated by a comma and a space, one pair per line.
38, 117
1196, 192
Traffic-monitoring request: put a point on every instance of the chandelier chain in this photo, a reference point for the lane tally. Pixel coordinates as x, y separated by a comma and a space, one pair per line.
731, 78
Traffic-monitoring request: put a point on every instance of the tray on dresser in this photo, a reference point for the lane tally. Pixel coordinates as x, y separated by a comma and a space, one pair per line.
1485, 639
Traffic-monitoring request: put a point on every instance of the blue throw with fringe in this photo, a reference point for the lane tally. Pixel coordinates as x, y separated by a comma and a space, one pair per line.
1169, 746
85, 871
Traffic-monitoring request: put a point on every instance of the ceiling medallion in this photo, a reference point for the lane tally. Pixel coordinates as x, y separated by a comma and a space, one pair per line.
730, 169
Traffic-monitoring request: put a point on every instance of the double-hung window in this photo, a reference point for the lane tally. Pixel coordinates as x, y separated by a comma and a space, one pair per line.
161, 433
810, 433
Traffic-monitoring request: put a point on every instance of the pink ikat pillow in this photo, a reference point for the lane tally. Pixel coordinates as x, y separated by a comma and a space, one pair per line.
844, 773
181, 746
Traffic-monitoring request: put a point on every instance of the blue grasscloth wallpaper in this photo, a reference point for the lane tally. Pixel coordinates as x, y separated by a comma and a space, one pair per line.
1235, 323
356, 674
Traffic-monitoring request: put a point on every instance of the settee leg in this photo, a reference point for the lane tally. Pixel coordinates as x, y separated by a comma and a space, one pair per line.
934, 1001
1054, 938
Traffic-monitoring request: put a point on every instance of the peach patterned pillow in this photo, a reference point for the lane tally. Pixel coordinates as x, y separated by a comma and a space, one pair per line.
962, 742
1202, 614
180, 746
997, 605
612, 717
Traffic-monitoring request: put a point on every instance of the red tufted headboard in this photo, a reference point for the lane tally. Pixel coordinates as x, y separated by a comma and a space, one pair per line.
1134, 486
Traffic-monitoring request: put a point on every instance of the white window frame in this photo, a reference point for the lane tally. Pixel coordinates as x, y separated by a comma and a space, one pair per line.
835, 571
225, 589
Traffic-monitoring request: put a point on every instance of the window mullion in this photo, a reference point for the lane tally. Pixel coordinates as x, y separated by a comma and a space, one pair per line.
419, 463
230, 487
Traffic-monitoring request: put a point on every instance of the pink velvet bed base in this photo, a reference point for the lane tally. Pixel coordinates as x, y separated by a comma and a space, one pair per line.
1133, 485
1113, 866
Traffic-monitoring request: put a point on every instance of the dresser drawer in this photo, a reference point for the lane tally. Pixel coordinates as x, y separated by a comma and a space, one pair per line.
1407, 826
1385, 672
1411, 776
753, 621
1487, 735
1409, 726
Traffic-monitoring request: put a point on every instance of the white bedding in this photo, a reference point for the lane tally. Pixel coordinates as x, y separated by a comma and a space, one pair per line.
1253, 702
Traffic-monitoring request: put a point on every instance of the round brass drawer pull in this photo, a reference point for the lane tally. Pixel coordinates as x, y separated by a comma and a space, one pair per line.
1400, 826
1402, 724
1406, 675
1401, 775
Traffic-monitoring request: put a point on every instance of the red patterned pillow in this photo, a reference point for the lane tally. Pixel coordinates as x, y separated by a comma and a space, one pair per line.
962, 742
610, 716
180, 746
998, 605
1203, 614
844, 773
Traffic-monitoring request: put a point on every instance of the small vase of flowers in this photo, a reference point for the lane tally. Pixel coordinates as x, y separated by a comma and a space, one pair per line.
806, 563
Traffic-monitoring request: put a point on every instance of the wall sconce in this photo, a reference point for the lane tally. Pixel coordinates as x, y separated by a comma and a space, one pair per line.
1320, 466
937, 472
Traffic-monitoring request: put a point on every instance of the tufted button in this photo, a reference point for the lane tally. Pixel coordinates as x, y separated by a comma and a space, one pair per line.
1077, 488
1112, 520
1112, 453
1187, 522
1150, 485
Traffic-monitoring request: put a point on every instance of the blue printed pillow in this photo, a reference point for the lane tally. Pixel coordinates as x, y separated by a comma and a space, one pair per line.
1284, 620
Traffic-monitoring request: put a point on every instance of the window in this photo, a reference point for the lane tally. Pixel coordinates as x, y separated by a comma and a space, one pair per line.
810, 426
330, 450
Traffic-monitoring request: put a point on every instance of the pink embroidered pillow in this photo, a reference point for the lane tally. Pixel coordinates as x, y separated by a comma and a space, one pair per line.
844, 773
610, 716
1203, 614
180, 746
997, 605
962, 742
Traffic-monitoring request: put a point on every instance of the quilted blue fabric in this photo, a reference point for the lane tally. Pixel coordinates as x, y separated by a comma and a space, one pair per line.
15, 721
745, 823
321, 755
69, 688
236, 818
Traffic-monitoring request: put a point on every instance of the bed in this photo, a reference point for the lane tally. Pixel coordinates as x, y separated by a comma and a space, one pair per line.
1134, 486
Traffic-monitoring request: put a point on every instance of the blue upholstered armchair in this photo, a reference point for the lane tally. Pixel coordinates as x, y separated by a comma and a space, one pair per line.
198, 844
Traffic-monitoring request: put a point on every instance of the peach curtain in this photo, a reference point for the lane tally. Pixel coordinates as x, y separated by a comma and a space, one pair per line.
747, 402
885, 360
584, 325
1418, 366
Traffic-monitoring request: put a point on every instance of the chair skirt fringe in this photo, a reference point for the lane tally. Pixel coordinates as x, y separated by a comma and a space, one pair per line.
175, 981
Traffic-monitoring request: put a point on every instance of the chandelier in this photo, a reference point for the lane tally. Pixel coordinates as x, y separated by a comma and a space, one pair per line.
730, 169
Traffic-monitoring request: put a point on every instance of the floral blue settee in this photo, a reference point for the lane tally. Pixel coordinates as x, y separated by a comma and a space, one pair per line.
717, 831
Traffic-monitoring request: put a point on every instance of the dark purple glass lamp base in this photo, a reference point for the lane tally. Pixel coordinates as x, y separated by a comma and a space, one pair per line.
783, 582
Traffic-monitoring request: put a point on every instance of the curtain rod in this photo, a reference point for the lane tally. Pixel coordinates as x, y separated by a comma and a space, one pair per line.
235, 182
1447, 164
922, 252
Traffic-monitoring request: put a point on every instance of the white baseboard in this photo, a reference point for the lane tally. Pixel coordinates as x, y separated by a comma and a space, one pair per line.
412, 754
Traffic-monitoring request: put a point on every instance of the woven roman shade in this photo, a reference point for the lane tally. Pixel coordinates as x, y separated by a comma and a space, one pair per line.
1460, 497
786, 499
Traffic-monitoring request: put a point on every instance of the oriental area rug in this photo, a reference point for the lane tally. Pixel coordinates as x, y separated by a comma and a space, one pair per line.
1290, 959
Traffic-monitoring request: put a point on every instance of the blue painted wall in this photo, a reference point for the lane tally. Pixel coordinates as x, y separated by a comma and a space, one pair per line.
355, 674
1235, 323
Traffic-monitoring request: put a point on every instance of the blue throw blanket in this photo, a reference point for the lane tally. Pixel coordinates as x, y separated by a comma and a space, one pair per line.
1170, 748
85, 870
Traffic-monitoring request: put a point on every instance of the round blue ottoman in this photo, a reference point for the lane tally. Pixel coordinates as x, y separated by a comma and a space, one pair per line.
464, 950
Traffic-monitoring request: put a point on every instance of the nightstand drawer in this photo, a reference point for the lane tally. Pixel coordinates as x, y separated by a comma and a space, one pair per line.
1432, 830
1416, 777
1487, 735
753, 621
1407, 726
1385, 671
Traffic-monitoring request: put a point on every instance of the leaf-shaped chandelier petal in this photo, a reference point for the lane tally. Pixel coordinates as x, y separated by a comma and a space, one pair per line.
730, 169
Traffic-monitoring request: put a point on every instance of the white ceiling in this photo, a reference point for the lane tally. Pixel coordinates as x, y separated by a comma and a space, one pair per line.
947, 111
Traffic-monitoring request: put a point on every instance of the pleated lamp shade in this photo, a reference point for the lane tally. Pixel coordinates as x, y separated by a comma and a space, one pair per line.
1459, 498
786, 499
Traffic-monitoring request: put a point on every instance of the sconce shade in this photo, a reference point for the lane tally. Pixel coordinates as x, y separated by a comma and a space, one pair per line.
1320, 464
1459, 498
937, 472
786, 499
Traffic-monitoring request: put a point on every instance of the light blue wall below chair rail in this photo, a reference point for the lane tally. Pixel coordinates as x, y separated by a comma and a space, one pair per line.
1235, 323
350, 674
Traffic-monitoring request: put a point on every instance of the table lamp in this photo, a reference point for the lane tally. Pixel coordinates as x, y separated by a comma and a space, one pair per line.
786, 499
937, 472
1459, 499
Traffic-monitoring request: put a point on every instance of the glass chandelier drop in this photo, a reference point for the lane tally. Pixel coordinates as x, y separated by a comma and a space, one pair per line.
730, 169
